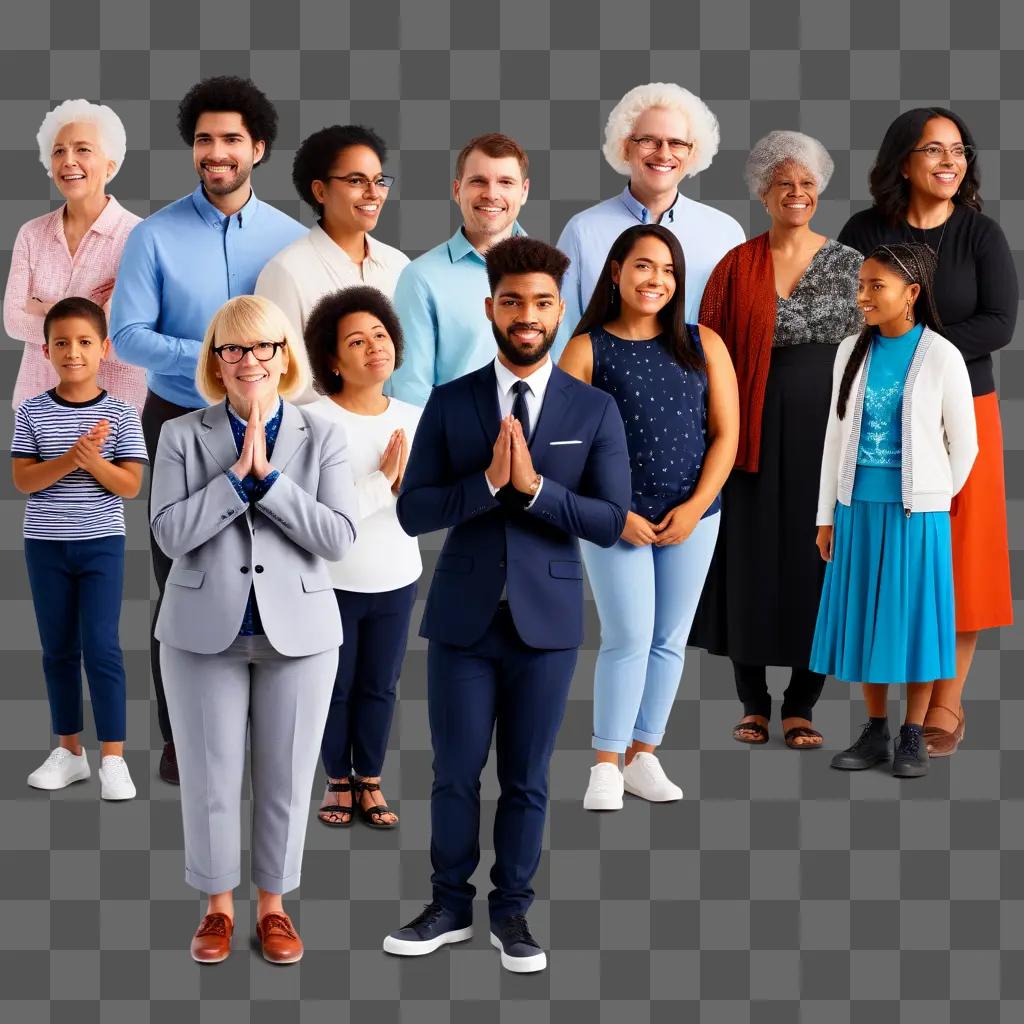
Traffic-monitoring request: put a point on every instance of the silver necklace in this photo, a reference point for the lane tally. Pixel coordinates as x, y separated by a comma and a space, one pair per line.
942, 234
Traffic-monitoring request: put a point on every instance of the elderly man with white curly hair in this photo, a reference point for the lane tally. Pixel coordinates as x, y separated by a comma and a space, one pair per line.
657, 134
74, 250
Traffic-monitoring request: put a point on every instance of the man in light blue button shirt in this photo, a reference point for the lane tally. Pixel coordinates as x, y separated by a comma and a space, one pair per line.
181, 264
657, 134
440, 296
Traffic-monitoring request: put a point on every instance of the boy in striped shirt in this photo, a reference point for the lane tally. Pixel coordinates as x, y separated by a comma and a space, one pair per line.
77, 453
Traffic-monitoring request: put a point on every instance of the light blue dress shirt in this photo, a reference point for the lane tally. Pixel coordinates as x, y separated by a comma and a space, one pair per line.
706, 235
440, 302
179, 266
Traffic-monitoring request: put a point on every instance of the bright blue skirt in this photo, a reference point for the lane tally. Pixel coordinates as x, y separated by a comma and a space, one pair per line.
886, 613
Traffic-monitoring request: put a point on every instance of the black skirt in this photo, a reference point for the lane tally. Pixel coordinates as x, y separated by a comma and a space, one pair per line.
760, 601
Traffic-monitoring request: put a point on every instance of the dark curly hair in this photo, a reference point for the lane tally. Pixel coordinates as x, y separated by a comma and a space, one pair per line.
230, 93
523, 255
321, 331
315, 155
889, 189
915, 262
606, 301
76, 305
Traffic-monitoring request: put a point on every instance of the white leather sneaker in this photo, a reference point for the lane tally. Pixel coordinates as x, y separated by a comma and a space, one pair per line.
60, 769
115, 779
644, 777
604, 793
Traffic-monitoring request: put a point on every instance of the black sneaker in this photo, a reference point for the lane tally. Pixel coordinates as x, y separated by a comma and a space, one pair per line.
433, 928
519, 950
871, 748
910, 758
169, 765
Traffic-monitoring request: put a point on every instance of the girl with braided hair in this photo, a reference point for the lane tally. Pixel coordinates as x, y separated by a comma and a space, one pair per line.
900, 443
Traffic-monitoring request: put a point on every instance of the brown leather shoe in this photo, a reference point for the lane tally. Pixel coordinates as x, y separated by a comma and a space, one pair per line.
212, 940
941, 743
169, 765
279, 939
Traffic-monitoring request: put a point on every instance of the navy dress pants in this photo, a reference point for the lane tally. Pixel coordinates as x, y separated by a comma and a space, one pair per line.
375, 629
498, 685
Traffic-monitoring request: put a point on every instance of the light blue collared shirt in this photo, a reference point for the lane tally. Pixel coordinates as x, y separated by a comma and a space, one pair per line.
706, 235
179, 266
440, 302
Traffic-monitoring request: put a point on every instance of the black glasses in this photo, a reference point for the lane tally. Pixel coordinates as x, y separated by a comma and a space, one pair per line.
264, 351
360, 181
650, 144
959, 153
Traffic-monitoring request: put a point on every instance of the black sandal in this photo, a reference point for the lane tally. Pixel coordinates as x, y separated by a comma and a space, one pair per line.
337, 787
372, 815
802, 731
759, 730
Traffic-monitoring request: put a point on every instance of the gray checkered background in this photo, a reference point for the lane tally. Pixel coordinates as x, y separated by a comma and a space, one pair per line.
778, 890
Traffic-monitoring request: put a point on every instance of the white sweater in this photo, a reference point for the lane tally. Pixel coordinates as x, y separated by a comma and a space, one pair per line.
383, 557
940, 439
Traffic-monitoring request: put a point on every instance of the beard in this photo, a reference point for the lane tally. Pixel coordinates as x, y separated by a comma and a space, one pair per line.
517, 356
227, 184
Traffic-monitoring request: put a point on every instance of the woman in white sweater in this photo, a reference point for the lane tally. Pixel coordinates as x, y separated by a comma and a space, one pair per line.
354, 342
899, 445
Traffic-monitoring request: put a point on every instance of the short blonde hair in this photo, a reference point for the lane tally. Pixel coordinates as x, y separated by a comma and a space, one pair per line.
243, 320
666, 96
110, 126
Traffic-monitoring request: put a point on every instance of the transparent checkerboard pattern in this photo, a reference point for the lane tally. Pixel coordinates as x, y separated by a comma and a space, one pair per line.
778, 890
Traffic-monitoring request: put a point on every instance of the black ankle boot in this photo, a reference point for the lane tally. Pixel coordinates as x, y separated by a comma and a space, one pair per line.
871, 748
910, 758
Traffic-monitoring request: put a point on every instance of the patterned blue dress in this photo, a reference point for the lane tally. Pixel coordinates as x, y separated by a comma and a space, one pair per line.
886, 612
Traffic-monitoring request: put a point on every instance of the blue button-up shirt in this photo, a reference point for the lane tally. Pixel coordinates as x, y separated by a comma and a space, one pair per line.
440, 301
179, 266
706, 235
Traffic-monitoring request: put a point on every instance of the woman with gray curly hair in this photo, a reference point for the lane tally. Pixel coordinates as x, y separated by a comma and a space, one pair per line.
656, 135
74, 250
782, 302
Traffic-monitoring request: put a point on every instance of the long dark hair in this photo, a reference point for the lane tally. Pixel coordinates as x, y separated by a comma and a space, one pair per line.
915, 263
606, 303
889, 189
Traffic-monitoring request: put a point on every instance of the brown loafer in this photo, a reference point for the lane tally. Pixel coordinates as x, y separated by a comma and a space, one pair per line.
941, 743
279, 939
212, 940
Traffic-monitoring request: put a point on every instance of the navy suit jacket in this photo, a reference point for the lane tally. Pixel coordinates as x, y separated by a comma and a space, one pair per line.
533, 553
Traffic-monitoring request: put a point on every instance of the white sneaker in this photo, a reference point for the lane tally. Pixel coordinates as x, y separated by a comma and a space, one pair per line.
644, 777
604, 793
60, 769
115, 779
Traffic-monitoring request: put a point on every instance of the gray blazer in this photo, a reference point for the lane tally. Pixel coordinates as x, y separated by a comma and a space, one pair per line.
221, 549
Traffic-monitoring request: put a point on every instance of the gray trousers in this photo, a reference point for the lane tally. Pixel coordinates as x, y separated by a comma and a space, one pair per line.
214, 700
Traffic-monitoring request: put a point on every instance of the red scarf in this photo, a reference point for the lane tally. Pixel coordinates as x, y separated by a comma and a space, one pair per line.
739, 303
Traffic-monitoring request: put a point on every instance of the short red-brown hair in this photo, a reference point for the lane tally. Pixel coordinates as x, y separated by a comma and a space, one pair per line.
495, 145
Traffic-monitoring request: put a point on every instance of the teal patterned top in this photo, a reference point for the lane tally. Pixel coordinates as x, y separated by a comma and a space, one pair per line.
881, 424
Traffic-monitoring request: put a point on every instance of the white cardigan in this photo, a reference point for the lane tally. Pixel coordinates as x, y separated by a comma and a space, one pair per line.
940, 440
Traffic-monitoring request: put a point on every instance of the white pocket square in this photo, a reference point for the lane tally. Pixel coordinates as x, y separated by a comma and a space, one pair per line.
565, 442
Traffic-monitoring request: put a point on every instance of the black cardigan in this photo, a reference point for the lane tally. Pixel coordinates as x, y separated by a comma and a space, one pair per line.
975, 283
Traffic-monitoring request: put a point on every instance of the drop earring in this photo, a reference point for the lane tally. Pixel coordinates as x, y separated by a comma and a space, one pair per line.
910, 319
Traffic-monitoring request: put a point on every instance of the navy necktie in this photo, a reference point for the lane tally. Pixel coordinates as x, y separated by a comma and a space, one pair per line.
519, 409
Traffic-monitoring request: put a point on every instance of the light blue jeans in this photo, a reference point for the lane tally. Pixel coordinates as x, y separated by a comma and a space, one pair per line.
646, 598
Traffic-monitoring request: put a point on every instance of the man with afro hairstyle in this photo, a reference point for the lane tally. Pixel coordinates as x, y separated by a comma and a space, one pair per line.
182, 263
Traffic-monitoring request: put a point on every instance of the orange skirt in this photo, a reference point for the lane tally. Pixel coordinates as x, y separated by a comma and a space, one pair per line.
981, 550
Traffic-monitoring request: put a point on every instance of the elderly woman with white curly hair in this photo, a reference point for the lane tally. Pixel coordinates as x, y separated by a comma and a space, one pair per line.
656, 135
782, 302
74, 250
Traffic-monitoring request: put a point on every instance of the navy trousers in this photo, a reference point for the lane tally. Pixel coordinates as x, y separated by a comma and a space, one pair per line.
376, 629
500, 686
76, 591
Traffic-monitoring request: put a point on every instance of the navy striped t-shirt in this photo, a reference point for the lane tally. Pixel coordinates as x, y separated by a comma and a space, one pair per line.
76, 507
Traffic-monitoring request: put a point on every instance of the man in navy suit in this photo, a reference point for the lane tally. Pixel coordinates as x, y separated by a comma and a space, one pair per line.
516, 460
